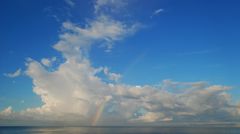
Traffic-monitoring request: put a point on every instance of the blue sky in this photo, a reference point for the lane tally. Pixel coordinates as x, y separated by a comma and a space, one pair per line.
187, 41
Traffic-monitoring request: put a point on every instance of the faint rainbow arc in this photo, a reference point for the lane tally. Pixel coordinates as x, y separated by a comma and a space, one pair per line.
98, 113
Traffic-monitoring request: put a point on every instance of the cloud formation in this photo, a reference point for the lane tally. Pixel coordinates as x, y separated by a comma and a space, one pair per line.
14, 74
75, 92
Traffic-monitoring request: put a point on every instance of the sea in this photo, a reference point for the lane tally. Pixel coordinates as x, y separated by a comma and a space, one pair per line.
119, 130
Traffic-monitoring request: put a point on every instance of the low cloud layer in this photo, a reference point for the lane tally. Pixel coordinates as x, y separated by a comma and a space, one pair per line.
74, 91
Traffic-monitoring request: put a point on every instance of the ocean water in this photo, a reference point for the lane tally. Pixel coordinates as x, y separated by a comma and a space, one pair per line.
119, 130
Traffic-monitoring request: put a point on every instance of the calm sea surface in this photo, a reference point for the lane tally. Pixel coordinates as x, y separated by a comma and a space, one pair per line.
119, 130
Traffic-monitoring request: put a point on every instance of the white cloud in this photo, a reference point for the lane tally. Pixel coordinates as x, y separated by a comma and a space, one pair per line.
6, 112
111, 76
70, 3
77, 40
156, 12
14, 74
76, 83
48, 62
149, 117
109, 6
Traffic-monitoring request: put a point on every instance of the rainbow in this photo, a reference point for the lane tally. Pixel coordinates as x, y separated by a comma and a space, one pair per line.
98, 113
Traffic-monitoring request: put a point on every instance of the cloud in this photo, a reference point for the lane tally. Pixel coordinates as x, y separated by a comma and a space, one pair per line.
77, 40
70, 3
14, 74
109, 6
156, 12
149, 117
74, 91
6, 112
111, 76
76, 83
48, 62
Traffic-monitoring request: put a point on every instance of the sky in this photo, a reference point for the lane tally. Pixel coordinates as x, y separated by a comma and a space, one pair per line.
102, 62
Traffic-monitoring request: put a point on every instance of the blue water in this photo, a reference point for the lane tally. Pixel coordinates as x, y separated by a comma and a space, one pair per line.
119, 130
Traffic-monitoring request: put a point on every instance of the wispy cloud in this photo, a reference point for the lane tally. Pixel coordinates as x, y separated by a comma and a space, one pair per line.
109, 6
70, 3
156, 12
14, 74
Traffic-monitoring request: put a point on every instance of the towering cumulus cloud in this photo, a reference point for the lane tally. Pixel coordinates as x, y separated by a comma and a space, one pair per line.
75, 92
